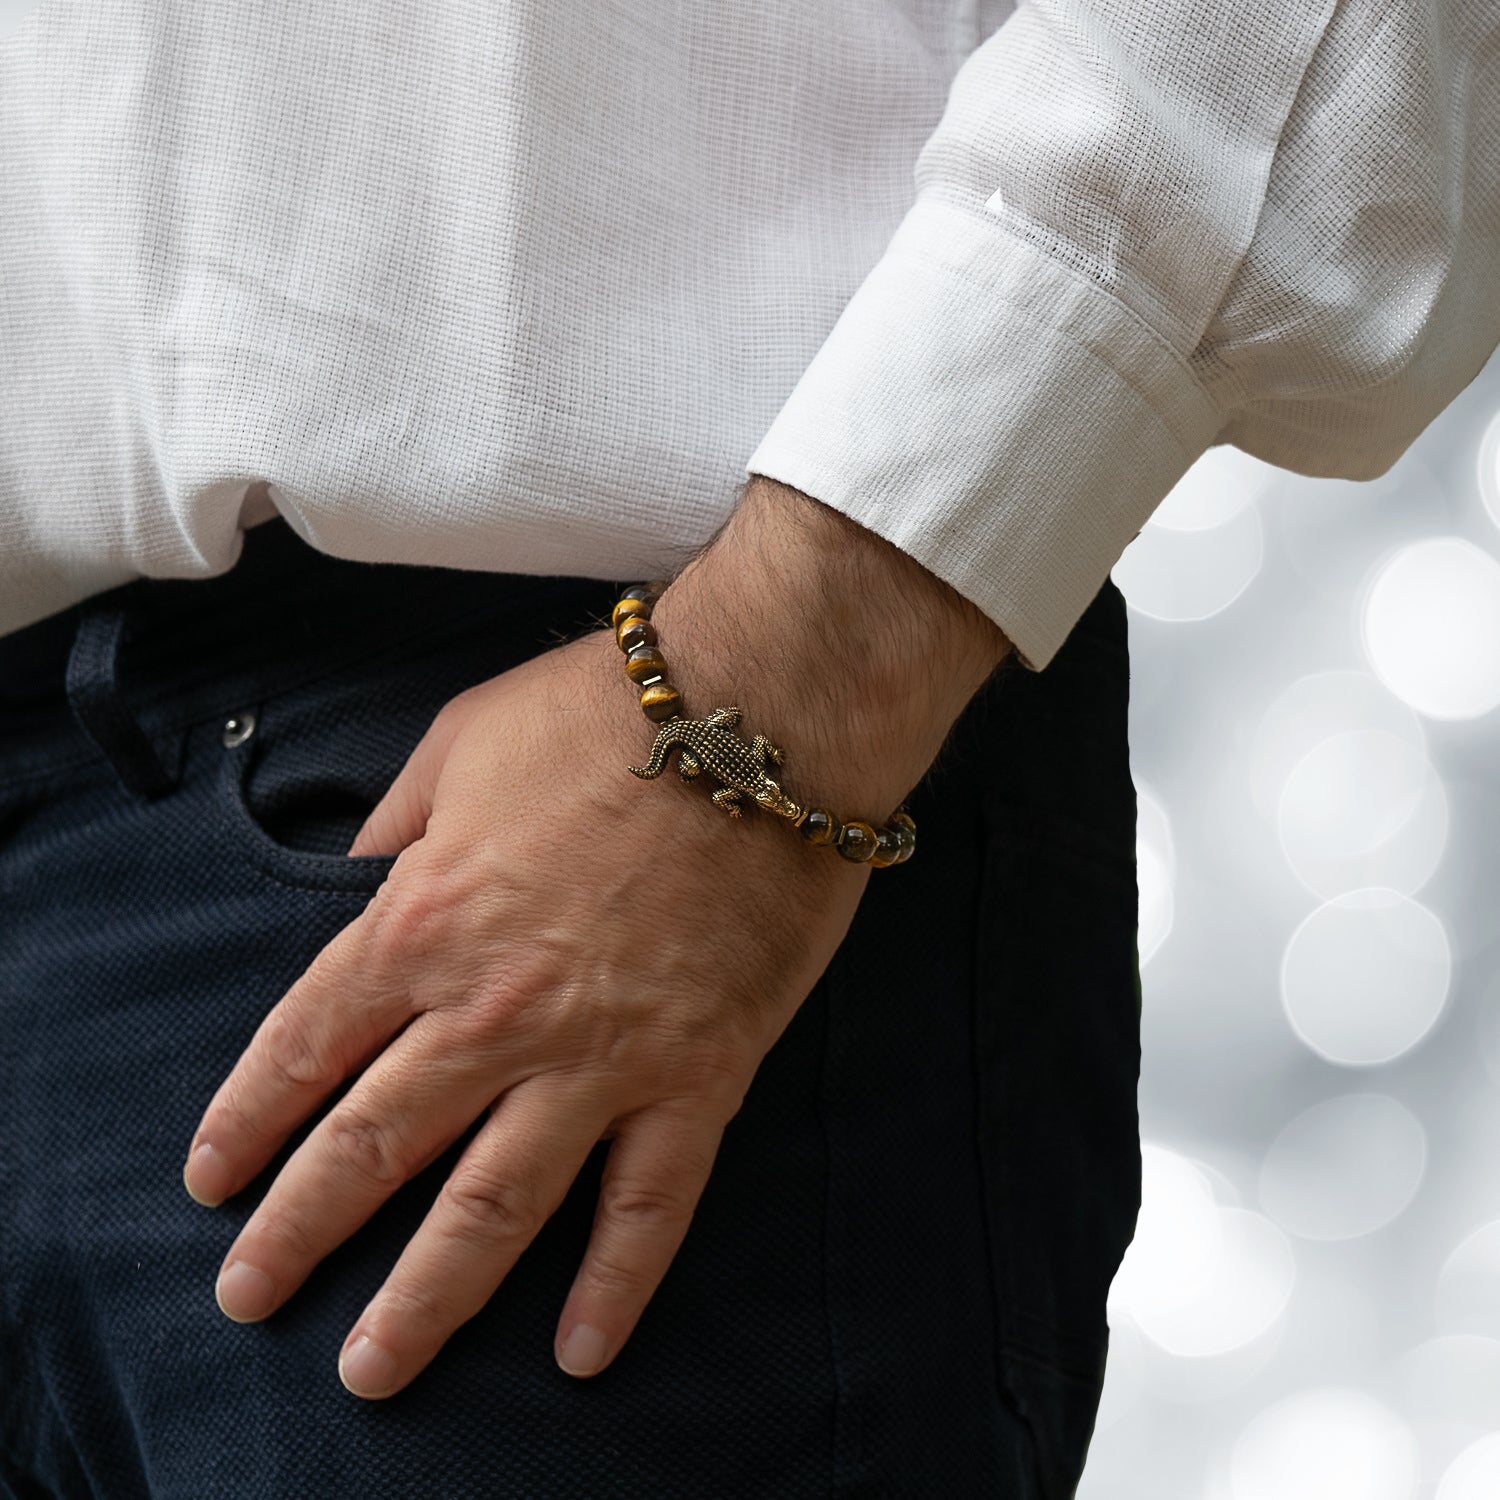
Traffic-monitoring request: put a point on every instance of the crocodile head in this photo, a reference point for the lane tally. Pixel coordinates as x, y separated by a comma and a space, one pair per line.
773, 799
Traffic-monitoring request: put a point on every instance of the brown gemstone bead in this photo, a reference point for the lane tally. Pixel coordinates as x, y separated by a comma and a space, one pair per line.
820, 826
633, 631
906, 829
644, 662
626, 608
856, 841
660, 702
887, 848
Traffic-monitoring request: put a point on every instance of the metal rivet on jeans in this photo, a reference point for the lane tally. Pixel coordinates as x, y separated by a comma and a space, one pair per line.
238, 728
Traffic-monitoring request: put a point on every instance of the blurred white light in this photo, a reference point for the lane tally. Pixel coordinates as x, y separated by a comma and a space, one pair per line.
1344, 1168
1449, 1390
1122, 1376
1176, 1236
1246, 1290
1365, 976
1333, 530
1489, 469
1315, 708
1468, 1288
1215, 490
1431, 627
1200, 1280
1475, 1473
1325, 1445
1190, 575
1360, 809
1156, 871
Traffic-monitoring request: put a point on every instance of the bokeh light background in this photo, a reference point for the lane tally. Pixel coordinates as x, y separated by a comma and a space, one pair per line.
1311, 1308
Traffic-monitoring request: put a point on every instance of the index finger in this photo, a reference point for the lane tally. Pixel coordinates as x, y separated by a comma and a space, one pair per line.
332, 1021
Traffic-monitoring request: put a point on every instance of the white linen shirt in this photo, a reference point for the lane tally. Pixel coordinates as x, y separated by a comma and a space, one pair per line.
530, 286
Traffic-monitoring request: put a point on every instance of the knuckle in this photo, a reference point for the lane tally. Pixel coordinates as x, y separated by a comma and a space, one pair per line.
408, 917
714, 1076
232, 1120
371, 1151
492, 1208
416, 1303
290, 1235
636, 1223
495, 1000
291, 1052
616, 1279
649, 1209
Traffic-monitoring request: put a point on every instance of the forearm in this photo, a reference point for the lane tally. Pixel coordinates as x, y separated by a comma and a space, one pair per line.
835, 643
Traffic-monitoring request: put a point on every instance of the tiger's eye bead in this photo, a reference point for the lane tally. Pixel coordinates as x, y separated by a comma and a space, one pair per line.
887, 848
906, 830
633, 631
820, 826
626, 608
644, 662
660, 701
856, 841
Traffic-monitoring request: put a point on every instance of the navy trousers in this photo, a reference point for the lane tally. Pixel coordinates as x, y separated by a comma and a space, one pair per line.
894, 1284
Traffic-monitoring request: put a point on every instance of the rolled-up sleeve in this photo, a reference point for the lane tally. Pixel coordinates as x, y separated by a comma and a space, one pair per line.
1143, 227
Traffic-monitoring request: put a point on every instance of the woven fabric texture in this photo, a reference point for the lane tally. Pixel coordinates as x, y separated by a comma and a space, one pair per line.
528, 287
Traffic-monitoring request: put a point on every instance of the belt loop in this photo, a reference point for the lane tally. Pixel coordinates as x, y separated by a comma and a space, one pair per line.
93, 684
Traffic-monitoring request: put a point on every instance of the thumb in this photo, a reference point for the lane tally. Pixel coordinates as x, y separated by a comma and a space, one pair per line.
400, 817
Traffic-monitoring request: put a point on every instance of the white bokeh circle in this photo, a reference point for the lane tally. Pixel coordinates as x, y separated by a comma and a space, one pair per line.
1430, 625
1468, 1286
1343, 1168
1156, 873
1325, 1445
1363, 808
1452, 1378
1244, 1293
1176, 1236
1312, 709
1179, 575
1365, 976
1448, 1388
1475, 1473
1199, 1279
1222, 482
1489, 468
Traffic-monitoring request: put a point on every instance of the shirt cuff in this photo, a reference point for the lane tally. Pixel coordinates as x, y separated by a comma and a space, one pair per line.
995, 414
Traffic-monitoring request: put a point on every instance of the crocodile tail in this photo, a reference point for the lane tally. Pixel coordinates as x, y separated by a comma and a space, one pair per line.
658, 762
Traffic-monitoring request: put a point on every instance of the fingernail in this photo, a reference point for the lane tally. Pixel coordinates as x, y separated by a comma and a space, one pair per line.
367, 1368
583, 1351
206, 1176
245, 1293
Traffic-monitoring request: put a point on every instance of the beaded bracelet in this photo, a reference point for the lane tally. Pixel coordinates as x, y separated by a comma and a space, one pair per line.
710, 744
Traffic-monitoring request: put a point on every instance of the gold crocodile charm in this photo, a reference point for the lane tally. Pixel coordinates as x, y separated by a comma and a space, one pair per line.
711, 745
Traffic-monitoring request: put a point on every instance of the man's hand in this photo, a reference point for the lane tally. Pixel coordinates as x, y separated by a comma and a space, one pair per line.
578, 955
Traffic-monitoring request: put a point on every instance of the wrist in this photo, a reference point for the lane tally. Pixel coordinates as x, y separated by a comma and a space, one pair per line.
834, 642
